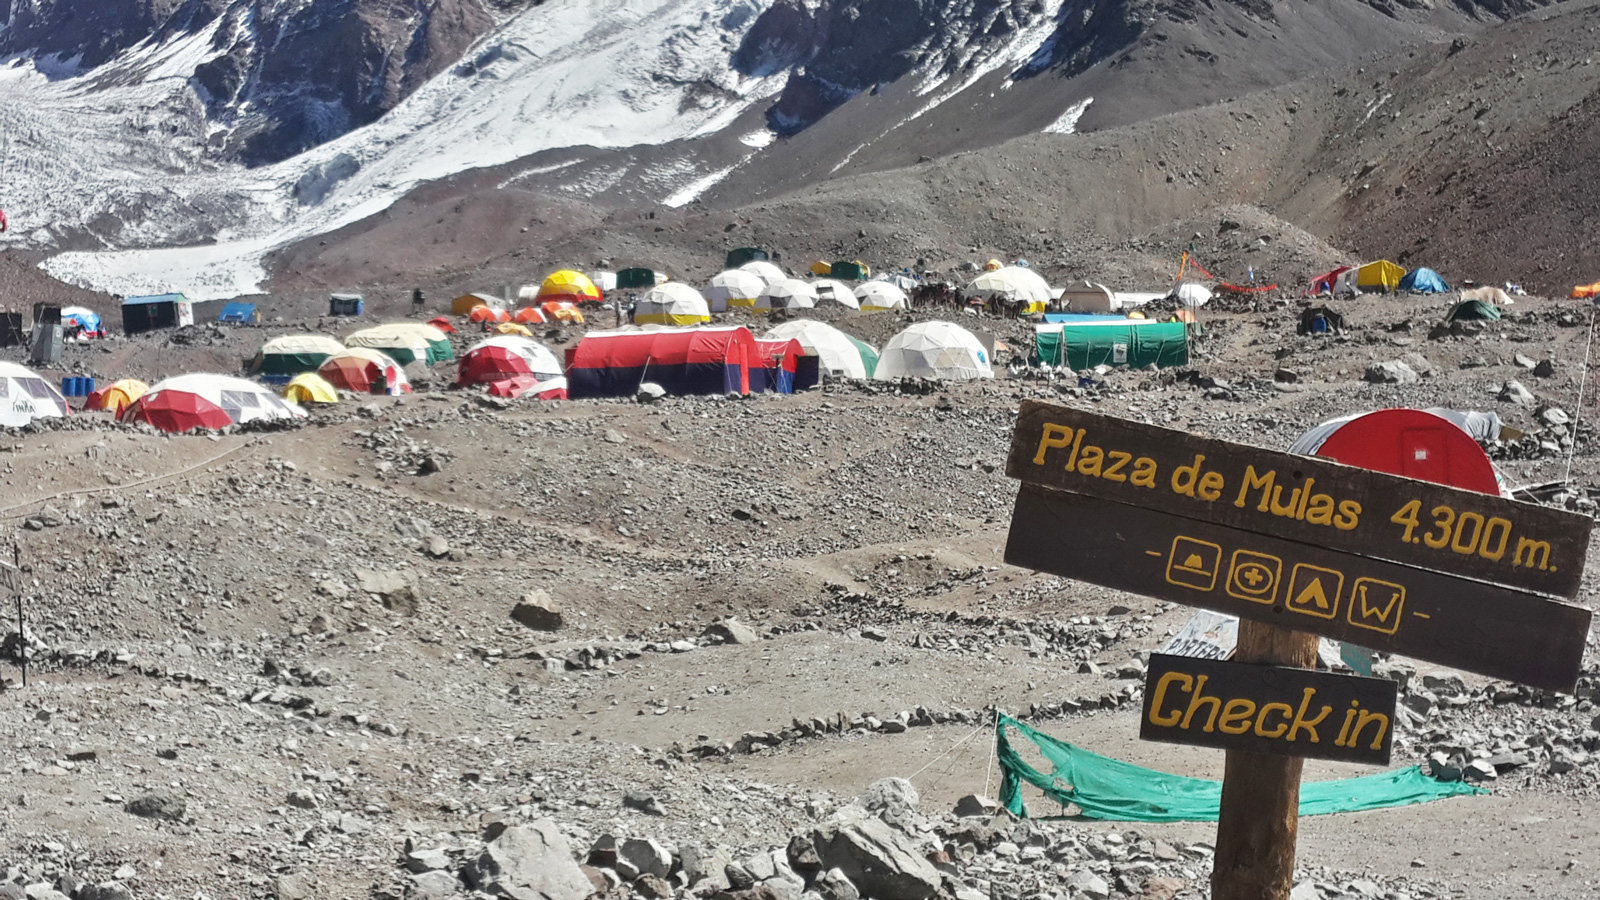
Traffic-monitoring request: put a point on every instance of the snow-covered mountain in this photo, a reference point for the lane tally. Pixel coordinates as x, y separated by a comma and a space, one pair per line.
174, 144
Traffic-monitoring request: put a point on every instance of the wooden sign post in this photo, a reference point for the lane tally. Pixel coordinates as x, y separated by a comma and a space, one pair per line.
1296, 547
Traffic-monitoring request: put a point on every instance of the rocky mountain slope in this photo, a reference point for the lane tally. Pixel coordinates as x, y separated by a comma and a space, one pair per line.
622, 106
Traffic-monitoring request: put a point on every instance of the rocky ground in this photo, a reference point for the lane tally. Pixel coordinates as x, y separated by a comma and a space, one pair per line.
427, 645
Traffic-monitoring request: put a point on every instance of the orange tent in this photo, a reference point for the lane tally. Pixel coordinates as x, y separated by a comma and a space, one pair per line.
530, 314
1586, 291
486, 314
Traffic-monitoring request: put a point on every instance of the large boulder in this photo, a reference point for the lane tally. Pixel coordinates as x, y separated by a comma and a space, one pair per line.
539, 611
529, 862
1392, 372
397, 590
879, 861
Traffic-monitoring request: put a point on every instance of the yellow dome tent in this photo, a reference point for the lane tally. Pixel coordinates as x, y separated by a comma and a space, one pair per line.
117, 395
1380, 276
568, 285
464, 304
309, 387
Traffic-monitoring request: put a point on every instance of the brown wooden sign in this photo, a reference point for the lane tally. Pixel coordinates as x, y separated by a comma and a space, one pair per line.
1456, 622
1268, 709
1305, 499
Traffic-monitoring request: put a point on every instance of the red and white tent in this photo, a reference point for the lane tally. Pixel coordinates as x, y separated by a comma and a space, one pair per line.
365, 371
201, 400
506, 356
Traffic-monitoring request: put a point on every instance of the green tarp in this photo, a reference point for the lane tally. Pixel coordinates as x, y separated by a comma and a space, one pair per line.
1132, 342
291, 363
869, 356
848, 271
439, 351
1474, 309
1115, 791
636, 277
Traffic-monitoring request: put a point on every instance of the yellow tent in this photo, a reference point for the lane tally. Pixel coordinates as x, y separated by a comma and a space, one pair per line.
821, 269
568, 285
309, 387
118, 394
464, 304
992, 265
1380, 276
513, 328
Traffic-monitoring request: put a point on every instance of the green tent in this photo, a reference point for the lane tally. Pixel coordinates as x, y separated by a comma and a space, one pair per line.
741, 255
1134, 342
1468, 310
849, 271
869, 356
636, 278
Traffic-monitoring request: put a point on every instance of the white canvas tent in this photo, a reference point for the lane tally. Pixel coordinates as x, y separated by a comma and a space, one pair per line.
764, 270
25, 396
830, 291
880, 295
836, 353
734, 287
790, 293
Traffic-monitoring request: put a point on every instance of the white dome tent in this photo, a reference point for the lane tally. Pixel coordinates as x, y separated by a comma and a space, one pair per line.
830, 291
764, 270
934, 350
1015, 284
671, 303
836, 352
790, 293
735, 287
25, 396
875, 296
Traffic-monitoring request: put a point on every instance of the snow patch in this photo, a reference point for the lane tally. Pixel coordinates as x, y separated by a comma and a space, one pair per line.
691, 191
758, 139
1067, 123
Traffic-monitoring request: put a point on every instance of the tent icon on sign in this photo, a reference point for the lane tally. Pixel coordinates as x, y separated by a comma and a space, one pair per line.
1193, 563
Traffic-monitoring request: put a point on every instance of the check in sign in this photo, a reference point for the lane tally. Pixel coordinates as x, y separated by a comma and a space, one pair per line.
1268, 709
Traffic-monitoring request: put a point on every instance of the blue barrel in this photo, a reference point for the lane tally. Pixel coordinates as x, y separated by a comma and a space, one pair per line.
69, 386
88, 385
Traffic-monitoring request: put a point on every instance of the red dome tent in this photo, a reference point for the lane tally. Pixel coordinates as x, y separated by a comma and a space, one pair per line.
1409, 442
681, 360
1324, 283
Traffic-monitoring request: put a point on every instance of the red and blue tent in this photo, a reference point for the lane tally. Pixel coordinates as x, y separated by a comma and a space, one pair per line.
774, 367
681, 360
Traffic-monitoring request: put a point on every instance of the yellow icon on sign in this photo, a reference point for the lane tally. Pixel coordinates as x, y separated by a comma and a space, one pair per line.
1377, 605
1314, 591
1254, 576
1193, 564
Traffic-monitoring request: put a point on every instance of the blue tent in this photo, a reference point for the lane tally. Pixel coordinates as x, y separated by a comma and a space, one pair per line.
1423, 281
239, 314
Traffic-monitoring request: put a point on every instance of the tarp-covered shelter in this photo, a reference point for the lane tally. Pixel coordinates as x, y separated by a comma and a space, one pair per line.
85, 320
345, 305
25, 396
934, 350
203, 400
522, 385
309, 387
294, 353
673, 303
466, 303
1423, 280
738, 256
1380, 276
150, 312
1134, 342
774, 369
876, 296
838, 354
735, 287
1586, 291
239, 313
568, 284
831, 290
790, 293
1320, 320
1489, 294
365, 371
681, 361
405, 342
116, 396
1014, 284
505, 356
764, 270
1413, 443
